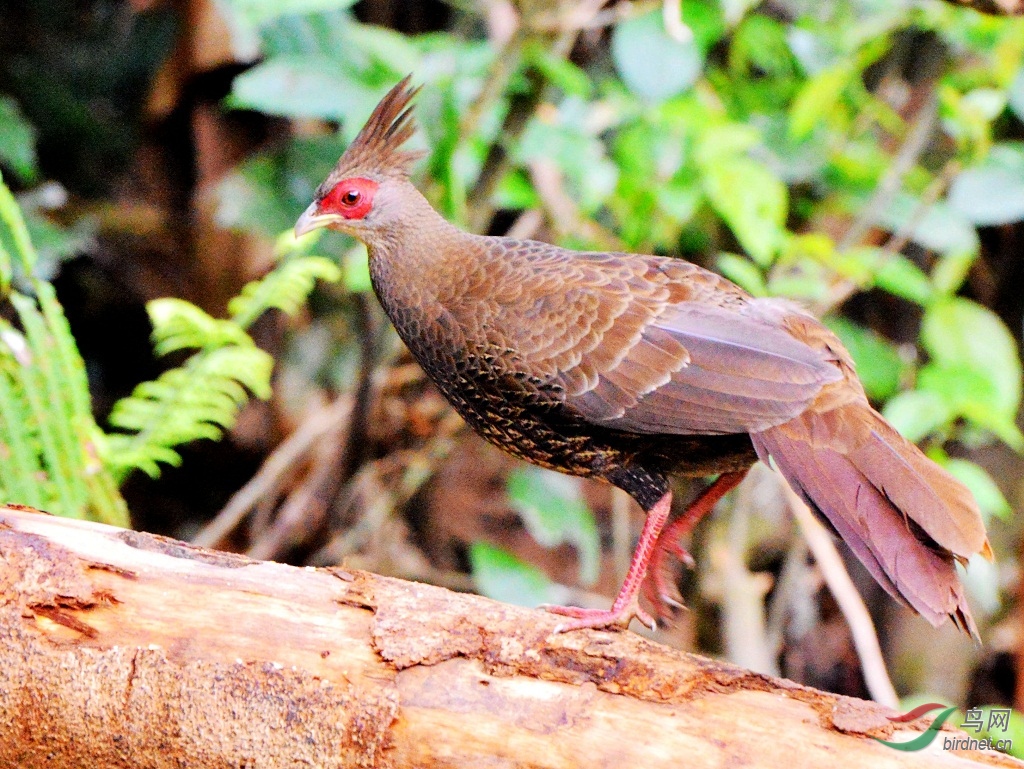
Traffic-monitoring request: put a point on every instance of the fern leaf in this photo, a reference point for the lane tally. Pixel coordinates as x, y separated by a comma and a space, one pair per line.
16, 235
69, 362
46, 392
198, 400
286, 288
179, 325
20, 470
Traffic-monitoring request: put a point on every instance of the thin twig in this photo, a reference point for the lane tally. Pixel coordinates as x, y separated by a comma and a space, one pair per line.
672, 18
865, 638
892, 180
791, 593
291, 450
743, 592
562, 209
622, 532
845, 288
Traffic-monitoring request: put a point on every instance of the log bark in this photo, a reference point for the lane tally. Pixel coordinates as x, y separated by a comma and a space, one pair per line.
123, 649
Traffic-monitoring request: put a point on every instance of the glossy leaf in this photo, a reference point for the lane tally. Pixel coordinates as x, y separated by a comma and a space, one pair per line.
878, 362
757, 216
498, 574
961, 333
17, 140
652, 64
986, 493
992, 192
917, 414
554, 511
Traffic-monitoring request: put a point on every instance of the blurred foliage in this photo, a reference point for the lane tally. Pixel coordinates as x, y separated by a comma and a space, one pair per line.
50, 443
202, 397
821, 152
807, 151
55, 456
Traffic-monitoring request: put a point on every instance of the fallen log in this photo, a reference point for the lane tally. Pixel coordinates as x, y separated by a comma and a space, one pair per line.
123, 649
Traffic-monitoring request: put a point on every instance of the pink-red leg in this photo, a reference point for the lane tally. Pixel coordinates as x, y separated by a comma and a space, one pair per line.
657, 589
627, 603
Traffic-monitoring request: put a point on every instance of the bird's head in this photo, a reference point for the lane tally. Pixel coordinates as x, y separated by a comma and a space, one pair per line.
367, 192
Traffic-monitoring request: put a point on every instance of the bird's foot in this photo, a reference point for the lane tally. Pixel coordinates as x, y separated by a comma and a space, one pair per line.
618, 616
660, 589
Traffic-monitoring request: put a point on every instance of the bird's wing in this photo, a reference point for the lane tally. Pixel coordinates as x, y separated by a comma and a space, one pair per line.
661, 346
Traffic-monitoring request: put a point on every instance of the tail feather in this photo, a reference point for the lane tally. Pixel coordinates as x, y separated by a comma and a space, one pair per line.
904, 517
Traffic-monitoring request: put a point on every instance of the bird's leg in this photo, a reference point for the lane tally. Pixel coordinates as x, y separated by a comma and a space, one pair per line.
656, 589
627, 604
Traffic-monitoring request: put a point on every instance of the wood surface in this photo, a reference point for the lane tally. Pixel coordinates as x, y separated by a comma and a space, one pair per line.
124, 649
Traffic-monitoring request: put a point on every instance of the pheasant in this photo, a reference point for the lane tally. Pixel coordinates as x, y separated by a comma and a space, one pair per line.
631, 368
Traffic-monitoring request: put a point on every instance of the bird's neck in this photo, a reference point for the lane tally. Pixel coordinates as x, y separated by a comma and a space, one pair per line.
414, 264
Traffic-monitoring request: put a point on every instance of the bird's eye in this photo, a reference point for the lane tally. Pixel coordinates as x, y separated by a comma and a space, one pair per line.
350, 198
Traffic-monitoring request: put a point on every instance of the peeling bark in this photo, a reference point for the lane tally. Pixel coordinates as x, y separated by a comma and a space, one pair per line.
123, 649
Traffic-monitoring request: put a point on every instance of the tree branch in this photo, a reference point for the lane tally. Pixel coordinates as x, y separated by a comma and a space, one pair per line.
123, 649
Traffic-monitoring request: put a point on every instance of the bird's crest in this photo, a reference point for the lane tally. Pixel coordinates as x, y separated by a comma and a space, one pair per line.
377, 149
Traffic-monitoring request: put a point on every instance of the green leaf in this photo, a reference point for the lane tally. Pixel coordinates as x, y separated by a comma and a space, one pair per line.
992, 192
17, 140
878, 362
950, 272
817, 99
972, 394
303, 87
286, 288
558, 71
15, 244
752, 201
651, 63
960, 333
257, 13
743, 273
725, 142
938, 227
917, 414
985, 491
554, 511
500, 575
1012, 736
180, 325
47, 393
356, 269
901, 277
198, 400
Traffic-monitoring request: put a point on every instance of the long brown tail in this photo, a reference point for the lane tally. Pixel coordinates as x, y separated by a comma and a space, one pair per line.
904, 517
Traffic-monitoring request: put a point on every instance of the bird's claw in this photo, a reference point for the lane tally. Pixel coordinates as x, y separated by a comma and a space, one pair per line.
617, 616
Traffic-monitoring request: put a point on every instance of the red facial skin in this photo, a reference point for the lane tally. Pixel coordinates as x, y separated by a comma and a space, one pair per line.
351, 198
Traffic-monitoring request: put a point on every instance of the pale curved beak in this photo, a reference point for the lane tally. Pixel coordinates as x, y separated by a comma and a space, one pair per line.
311, 220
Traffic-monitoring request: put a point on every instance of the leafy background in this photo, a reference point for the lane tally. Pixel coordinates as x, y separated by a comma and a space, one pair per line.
170, 353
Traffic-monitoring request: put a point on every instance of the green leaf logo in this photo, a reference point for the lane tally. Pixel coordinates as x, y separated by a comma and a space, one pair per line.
924, 739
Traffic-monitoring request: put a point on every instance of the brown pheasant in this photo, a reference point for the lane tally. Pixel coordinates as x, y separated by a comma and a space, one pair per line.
632, 368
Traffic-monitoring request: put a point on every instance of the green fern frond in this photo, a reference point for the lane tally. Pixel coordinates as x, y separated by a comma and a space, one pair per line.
44, 386
48, 454
202, 398
286, 288
198, 400
13, 237
180, 325
21, 472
